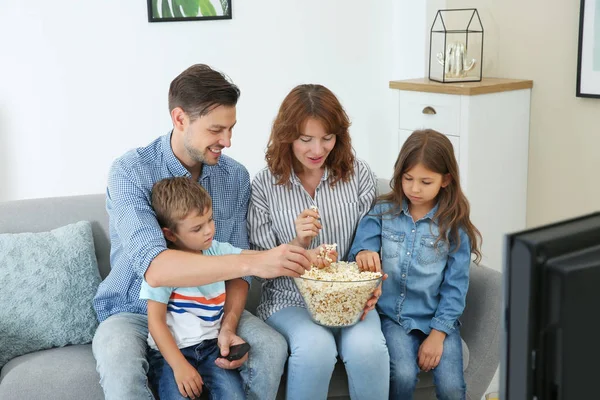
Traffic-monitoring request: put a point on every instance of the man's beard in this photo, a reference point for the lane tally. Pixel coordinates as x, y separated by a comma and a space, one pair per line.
195, 154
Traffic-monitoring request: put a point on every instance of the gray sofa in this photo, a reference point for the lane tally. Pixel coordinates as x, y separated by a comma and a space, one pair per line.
69, 373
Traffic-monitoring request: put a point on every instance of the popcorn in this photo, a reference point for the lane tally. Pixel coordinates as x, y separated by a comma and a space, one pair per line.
335, 296
325, 249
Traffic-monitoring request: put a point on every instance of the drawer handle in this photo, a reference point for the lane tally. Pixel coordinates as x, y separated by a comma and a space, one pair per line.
429, 110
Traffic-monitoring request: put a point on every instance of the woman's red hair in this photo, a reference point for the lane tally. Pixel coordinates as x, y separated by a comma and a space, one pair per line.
302, 103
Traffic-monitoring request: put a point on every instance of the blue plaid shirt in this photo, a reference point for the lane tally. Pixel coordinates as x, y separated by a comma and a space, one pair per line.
135, 236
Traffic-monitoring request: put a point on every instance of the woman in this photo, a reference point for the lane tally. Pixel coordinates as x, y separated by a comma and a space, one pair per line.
311, 164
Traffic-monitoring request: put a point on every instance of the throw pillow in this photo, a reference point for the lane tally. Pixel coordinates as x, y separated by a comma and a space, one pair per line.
47, 283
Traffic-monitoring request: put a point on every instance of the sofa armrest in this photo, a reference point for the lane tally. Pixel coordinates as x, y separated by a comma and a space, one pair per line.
481, 328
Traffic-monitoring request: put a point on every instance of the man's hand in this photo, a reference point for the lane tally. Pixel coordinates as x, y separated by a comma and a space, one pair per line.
188, 380
368, 261
226, 339
308, 225
430, 351
321, 257
283, 260
372, 302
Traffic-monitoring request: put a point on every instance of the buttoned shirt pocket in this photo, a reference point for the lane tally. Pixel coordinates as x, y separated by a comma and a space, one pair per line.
221, 213
392, 243
430, 251
225, 226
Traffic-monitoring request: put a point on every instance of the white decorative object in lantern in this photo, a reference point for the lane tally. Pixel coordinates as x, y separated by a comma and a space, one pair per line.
456, 40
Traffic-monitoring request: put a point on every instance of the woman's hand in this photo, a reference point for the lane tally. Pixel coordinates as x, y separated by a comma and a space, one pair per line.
368, 261
321, 257
430, 351
372, 302
308, 225
188, 380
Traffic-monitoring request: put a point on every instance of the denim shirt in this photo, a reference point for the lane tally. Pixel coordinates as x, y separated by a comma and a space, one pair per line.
427, 284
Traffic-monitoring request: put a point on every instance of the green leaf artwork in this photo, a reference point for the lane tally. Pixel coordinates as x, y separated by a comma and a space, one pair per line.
181, 10
206, 8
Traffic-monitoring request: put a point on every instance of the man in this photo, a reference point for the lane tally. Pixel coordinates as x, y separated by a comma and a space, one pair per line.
202, 103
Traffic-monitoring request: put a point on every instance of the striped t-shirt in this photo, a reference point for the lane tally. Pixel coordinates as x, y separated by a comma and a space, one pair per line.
193, 313
274, 208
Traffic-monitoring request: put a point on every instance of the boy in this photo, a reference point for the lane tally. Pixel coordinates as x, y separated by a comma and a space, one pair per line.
184, 323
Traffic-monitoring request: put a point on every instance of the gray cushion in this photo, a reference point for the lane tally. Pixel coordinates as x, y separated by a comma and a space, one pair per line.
40, 215
52, 278
67, 373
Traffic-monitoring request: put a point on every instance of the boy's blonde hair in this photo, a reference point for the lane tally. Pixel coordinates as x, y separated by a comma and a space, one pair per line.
173, 199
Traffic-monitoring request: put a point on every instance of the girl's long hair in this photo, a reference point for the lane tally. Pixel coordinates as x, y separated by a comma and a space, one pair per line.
302, 103
434, 150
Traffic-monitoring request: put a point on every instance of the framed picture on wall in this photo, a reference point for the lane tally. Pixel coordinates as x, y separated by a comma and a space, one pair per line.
188, 10
588, 59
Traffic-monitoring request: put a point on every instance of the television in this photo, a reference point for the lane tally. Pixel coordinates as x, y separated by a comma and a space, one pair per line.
551, 335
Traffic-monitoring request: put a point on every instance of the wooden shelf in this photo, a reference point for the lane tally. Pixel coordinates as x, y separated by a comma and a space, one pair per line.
487, 85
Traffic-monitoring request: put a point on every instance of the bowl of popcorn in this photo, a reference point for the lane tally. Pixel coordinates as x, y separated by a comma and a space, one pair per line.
335, 296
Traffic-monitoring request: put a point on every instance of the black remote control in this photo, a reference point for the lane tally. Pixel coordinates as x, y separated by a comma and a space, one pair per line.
237, 351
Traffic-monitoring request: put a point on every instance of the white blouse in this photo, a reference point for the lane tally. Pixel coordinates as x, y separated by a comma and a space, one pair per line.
274, 208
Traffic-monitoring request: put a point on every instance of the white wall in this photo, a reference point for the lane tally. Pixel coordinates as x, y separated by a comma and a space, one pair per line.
83, 82
563, 136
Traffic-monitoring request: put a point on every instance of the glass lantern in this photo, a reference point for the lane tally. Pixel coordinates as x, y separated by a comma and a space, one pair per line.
456, 46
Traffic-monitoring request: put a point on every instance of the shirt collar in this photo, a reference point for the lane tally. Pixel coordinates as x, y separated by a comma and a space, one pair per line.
294, 178
177, 169
173, 164
429, 215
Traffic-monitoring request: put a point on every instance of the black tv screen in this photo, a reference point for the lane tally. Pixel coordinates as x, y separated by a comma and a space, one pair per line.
551, 343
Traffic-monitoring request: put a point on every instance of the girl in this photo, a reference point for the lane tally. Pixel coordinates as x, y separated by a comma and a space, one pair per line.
426, 239
311, 163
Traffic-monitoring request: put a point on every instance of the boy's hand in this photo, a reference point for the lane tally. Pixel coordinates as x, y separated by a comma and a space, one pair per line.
225, 340
308, 225
321, 257
430, 351
188, 380
368, 261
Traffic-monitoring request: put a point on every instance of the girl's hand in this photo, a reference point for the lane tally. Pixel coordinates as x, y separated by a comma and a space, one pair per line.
308, 225
368, 261
430, 351
321, 257
188, 380
372, 302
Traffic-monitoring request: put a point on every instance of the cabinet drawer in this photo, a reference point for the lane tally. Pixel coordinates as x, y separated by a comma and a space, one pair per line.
403, 134
446, 107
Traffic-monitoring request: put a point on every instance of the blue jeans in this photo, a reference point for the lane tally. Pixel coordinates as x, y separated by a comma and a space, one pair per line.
218, 382
404, 348
314, 350
120, 349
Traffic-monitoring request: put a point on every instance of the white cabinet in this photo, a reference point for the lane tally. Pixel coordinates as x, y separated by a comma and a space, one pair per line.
488, 125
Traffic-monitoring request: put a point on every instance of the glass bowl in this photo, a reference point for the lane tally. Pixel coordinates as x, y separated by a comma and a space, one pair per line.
337, 303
